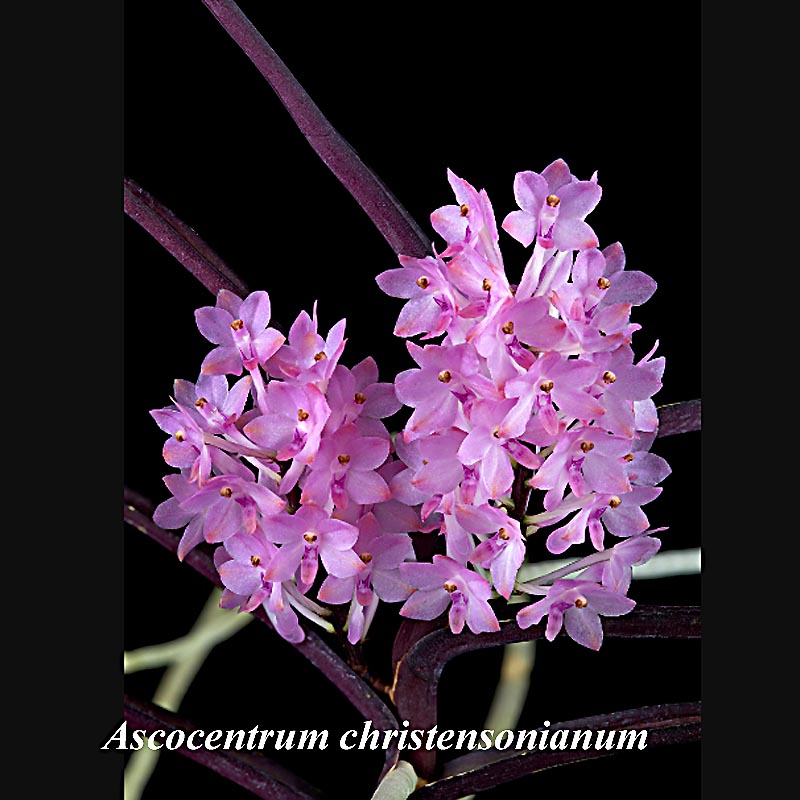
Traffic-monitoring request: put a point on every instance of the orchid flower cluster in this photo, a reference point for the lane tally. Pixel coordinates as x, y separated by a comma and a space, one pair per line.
530, 413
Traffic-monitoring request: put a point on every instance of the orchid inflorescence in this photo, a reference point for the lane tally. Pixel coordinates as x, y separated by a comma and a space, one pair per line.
530, 413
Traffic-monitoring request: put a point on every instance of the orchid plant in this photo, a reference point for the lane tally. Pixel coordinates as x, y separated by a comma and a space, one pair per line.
321, 494
530, 385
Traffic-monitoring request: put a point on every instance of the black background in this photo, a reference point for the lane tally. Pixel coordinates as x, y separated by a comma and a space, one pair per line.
487, 92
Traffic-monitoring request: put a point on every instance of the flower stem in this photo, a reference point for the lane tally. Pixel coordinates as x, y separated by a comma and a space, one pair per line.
260, 389
392, 220
180, 240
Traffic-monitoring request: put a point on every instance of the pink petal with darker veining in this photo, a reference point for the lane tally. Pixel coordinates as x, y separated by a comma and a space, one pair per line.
424, 575
192, 536
608, 603
222, 361
338, 533
632, 287
426, 604
230, 302
214, 324
436, 478
398, 283
649, 469
615, 259
578, 199
390, 587
180, 455
483, 519
573, 234
588, 267
365, 372
255, 312
636, 383
605, 474
496, 472
474, 447
268, 502
367, 452
584, 626
420, 315
170, 515
521, 225
556, 174
382, 400
341, 563
579, 405
530, 191
541, 334
390, 550
223, 520
505, 568
336, 590
267, 344
425, 421
272, 431
533, 614
288, 627
417, 386
481, 618
237, 397
240, 578
284, 563
366, 488
612, 318
449, 224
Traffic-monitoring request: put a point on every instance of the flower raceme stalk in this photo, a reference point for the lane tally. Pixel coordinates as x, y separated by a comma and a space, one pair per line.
292, 475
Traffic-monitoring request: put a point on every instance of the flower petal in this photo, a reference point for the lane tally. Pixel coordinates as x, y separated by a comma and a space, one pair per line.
578, 199
381, 401
224, 360
521, 226
390, 587
170, 515
573, 234
255, 312
341, 563
425, 604
399, 282
556, 174
336, 590
649, 469
267, 344
480, 617
609, 604
214, 324
366, 487
192, 536
530, 191
632, 287
584, 626
240, 578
